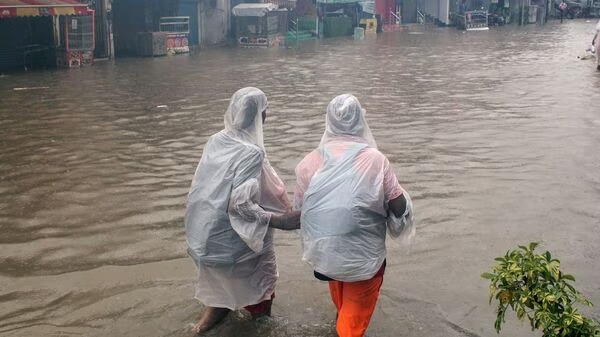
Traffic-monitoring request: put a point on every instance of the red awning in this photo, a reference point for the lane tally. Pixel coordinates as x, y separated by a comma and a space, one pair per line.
13, 8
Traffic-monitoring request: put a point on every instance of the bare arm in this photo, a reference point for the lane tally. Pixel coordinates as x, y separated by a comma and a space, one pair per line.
288, 221
398, 205
393, 191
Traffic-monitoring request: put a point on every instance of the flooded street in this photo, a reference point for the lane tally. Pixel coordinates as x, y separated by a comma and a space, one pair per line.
495, 134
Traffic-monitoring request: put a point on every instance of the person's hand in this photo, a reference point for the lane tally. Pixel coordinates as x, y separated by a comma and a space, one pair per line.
287, 221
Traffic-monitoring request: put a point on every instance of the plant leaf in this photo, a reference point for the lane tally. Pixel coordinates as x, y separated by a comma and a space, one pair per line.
488, 276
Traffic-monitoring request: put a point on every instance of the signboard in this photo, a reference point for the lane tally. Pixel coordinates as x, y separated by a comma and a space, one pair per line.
178, 42
178, 30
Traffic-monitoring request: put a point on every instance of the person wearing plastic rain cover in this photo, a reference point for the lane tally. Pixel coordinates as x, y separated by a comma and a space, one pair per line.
349, 196
235, 201
596, 45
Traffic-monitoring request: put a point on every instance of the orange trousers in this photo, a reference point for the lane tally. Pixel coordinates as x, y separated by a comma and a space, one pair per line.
355, 303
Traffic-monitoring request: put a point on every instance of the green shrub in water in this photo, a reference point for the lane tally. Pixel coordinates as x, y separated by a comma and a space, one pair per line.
533, 286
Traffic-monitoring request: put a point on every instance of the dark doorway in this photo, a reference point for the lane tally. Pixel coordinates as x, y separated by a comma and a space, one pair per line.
27, 43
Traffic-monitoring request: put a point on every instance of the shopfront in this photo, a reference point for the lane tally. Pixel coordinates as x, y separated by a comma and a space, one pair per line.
45, 34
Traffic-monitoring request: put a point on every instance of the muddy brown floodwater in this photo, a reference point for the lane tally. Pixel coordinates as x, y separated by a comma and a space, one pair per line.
496, 135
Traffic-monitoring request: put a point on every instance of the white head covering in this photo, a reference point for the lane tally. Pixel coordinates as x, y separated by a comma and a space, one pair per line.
243, 118
346, 119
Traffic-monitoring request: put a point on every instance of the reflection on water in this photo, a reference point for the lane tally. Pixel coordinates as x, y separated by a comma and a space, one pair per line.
495, 134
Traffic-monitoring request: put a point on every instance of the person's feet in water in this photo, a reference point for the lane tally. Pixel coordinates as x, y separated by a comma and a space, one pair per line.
211, 317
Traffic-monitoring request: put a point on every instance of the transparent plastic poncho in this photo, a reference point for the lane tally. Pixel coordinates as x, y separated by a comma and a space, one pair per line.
233, 194
597, 44
344, 211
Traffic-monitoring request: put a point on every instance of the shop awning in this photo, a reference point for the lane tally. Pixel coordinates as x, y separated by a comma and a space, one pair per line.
252, 9
14, 8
